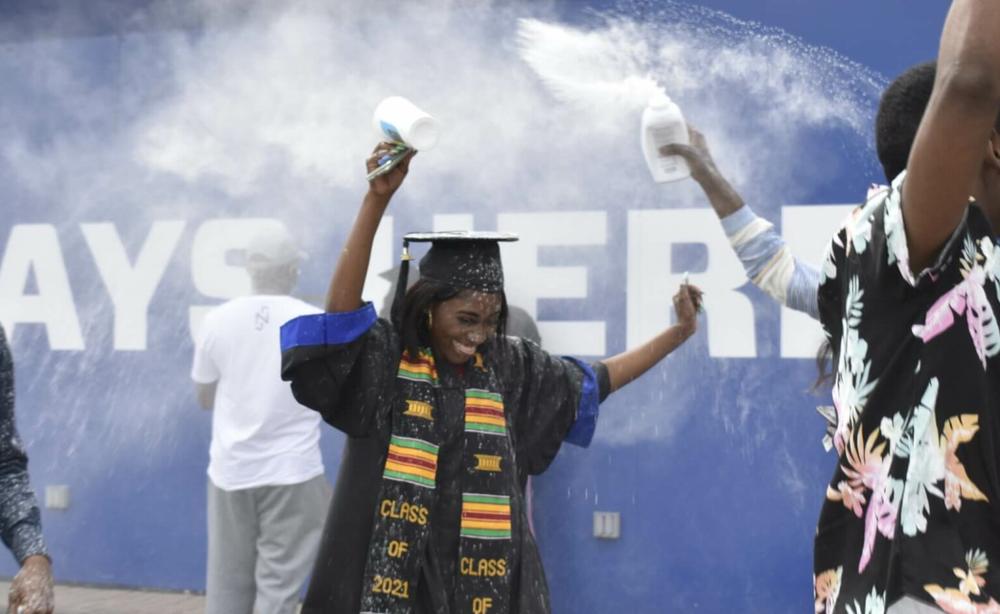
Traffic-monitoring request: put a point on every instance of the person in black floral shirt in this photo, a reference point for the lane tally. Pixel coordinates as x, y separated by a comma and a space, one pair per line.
20, 526
908, 299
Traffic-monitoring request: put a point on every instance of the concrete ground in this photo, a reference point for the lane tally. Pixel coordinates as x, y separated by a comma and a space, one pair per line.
87, 600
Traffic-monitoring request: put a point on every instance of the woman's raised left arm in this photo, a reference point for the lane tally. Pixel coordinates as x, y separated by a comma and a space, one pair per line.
630, 364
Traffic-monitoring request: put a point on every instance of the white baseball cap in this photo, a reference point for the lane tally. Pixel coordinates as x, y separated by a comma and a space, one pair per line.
272, 246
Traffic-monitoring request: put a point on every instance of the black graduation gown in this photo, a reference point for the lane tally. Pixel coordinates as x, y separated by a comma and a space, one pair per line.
354, 386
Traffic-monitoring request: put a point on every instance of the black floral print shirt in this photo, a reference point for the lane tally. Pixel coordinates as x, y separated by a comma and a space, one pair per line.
912, 508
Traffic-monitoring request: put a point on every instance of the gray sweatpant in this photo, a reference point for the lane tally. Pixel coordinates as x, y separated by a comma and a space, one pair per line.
909, 605
261, 545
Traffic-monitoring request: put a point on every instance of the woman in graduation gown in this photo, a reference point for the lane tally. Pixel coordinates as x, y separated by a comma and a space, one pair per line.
445, 418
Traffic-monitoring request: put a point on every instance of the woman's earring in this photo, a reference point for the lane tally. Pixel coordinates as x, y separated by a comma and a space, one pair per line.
430, 319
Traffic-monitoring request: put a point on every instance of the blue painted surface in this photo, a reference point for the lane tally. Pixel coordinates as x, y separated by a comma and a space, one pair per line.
718, 511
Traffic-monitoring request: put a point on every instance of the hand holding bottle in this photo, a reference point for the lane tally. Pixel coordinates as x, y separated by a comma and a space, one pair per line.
663, 124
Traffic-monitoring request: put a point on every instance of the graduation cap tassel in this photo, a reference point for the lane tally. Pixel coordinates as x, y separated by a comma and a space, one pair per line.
396, 313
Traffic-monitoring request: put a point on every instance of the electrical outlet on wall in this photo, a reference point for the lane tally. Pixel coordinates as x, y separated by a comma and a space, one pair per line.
57, 497
607, 525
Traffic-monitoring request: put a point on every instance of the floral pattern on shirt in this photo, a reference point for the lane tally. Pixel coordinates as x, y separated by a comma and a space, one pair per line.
934, 470
826, 589
917, 408
972, 580
874, 604
853, 382
967, 299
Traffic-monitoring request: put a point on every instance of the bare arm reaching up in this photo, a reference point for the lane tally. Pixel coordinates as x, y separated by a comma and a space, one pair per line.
955, 133
349, 276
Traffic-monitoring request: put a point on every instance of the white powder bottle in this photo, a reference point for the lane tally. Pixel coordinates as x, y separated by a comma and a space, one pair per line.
662, 124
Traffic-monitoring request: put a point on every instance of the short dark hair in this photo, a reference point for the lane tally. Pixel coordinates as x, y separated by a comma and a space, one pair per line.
411, 323
899, 113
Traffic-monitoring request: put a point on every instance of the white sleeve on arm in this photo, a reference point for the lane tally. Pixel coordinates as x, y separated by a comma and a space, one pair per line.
204, 369
769, 263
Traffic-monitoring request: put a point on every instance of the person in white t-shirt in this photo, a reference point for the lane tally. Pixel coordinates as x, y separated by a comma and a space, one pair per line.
267, 493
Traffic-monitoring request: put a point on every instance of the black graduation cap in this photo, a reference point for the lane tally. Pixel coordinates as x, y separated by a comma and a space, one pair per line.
459, 258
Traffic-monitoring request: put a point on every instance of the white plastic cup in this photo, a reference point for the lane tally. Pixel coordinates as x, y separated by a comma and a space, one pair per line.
400, 120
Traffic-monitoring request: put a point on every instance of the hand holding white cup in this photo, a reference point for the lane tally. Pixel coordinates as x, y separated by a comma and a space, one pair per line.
406, 125
400, 120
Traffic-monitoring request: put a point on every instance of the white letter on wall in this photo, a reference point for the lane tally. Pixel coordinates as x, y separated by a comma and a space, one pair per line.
382, 260
453, 221
131, 287
652, 281
807, 231
36, 247
528, 282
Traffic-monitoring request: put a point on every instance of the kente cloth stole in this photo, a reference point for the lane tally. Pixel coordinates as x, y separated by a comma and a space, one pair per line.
403, 518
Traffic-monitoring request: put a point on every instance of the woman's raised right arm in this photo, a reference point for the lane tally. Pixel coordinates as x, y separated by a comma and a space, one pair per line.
349, 276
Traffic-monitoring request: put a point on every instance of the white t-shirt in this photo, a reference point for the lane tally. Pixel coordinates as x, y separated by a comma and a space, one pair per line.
260, 435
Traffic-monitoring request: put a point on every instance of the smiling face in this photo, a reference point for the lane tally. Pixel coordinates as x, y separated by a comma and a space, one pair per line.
461, 324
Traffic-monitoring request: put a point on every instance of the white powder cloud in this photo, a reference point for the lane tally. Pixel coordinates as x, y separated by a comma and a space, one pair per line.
271, 111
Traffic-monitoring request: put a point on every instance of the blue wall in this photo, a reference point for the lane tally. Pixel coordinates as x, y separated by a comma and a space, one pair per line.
136, 117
